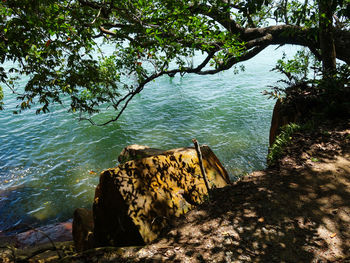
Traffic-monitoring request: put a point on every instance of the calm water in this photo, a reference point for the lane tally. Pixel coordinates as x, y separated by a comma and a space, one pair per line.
49, 164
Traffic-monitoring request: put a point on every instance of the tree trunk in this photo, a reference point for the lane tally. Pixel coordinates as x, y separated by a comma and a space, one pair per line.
327, 37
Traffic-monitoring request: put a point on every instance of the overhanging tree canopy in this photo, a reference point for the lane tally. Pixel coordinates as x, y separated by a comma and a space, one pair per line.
57, 43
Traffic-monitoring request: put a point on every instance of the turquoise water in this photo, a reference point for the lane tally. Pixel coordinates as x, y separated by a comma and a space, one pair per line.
49, 164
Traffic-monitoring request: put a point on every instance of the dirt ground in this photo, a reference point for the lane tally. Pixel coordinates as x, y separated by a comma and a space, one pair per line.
298, 211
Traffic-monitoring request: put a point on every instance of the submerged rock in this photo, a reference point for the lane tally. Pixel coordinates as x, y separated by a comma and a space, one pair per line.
137, 152
135, 201
59, 232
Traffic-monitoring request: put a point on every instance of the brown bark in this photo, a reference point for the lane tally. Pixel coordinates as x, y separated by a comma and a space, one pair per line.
327, 44
296, 35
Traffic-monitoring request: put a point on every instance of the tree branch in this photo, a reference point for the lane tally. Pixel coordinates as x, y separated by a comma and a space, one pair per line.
200, 162
222, 18
234, 60
129, 96
90, 4
265, 40
315, 52
198, 70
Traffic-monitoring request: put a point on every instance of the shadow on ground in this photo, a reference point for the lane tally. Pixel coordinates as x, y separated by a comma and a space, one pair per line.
298, 212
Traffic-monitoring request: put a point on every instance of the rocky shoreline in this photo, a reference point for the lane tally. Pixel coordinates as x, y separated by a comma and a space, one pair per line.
58, 232
298, 211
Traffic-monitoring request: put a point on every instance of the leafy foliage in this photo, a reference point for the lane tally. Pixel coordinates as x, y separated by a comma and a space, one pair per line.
334, 93
303, 77
301, 72
282, 140
59, 44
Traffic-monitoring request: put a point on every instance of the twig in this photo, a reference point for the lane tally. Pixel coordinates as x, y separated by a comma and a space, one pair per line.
199, 153
54, 248
98, 14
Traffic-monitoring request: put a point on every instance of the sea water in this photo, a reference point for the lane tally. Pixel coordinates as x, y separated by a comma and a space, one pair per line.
50, 163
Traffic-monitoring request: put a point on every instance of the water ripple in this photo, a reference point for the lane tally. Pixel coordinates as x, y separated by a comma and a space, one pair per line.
49, 164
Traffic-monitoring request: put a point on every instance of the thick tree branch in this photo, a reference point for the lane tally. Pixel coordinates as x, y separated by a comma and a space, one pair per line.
265, 40
326, 35
257, 39
279, 34
223, 19
295, 35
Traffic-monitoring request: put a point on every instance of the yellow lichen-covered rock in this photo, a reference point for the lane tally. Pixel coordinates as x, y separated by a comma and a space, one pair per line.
136, 152
134, 201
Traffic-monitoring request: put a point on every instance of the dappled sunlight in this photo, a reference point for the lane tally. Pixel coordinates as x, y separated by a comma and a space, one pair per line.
298, 213
141, 196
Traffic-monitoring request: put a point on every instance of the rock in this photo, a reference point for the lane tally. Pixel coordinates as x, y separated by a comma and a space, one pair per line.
59, 232
295, 111
278, 120
7, 240
135, 201
136, 152
83, 225
303, 102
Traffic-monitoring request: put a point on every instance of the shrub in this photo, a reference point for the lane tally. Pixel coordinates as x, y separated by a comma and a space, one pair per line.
282, 140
